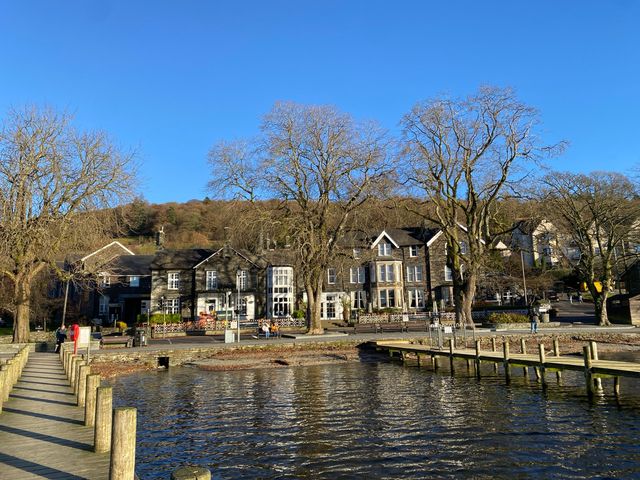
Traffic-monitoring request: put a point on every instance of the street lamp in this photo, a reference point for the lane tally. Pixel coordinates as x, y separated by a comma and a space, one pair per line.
238, 274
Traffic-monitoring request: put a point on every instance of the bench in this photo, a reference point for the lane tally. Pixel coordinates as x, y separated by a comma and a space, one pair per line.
124, 340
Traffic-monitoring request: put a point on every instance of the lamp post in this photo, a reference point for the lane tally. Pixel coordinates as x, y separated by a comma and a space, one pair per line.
524, 279
238, 273
163, 305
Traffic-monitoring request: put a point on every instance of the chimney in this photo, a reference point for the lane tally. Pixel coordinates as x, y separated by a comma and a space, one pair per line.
160, 238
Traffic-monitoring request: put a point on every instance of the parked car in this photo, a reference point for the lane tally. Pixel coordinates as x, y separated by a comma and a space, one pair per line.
553, 296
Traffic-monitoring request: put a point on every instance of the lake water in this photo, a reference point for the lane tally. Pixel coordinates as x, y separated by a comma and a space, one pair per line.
377, 419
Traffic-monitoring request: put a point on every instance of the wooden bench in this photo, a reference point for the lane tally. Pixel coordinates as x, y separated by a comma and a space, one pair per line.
124, 340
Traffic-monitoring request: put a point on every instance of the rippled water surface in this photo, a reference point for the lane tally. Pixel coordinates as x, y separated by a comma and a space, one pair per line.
380, 420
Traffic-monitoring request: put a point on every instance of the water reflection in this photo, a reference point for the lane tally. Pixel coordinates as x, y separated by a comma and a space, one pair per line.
379, 420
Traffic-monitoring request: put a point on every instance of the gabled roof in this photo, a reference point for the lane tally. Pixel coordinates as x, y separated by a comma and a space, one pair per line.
179, 259
382, 235
125, 250
130, 265
245, 255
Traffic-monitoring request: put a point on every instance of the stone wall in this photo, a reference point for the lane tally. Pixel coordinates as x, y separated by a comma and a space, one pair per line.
34, 337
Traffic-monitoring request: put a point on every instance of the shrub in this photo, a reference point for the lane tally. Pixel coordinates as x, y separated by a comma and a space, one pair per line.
160, 318
298, 314
508, 318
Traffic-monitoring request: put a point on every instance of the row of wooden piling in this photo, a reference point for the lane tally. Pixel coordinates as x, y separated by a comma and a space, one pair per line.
540, 366
114, 429
10, 372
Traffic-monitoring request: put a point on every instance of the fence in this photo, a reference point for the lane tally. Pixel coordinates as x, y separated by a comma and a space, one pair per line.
218, 325
445, 317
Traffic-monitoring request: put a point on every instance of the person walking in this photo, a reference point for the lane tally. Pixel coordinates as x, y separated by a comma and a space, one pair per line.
61, 336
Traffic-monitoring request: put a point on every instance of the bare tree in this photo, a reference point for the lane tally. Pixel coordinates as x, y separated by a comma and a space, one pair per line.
600, 213
322, 167
51, 180
464, 157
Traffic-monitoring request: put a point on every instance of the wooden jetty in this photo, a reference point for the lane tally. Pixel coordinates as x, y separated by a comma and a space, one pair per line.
543, 361
57, 422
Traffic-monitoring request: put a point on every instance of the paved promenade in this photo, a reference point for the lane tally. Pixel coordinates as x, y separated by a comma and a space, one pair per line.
42, 432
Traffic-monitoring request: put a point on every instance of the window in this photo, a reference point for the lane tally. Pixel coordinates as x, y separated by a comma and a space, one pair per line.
384, 249
242, 306
134, 281
356, 274
331, 275
280, 291
416, 298
281, 306
547, 251
413, 251
414, 273
282, 276
172, 305
357, 253
105, 280
387, 298
358, 299
103, 305
386, 273
173, 282
211, 279
330, 307
464, 247
448, 274
243, 279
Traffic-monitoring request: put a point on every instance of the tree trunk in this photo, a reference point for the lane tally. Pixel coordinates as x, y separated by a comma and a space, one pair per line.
469, 292
600, 307
22, 292
314, 310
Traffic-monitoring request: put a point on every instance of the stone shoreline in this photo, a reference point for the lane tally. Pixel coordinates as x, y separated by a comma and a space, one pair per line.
301, 354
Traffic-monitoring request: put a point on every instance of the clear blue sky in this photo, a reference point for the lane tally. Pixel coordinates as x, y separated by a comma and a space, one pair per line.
171, 78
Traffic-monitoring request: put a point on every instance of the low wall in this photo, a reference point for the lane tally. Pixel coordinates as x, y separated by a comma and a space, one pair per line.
520, 326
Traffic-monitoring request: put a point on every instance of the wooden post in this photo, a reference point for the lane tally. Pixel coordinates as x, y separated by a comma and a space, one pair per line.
434, 362
102, 431
478, 358
191, 473
93, 382
543, 358
76, 376
616, 386
82, 384
586, 352
6, 385
418, 358
594, 356
494, 349
123, 444
505, 352
556, 353
523, 349
451, 354
3, 379
72, 369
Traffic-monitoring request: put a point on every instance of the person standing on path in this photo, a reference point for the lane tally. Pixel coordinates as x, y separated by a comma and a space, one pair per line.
533, 318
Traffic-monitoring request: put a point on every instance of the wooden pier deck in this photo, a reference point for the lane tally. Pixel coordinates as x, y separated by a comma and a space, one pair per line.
543, 361
42, 432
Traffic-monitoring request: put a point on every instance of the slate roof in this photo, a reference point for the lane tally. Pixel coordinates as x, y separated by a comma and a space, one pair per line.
130, 265
180, 259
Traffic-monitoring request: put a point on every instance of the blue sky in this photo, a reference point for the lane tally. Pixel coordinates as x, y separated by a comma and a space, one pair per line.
170, 78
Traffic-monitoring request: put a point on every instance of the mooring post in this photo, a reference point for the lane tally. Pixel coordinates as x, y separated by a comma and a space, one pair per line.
616, 386
594, 356
434, 362
494, 349
478, 358
586, 352
505, 352
123, 444
542, 361
556, 353
102, 430
451, 354
82, 384
93, 382
523, 349
418, 358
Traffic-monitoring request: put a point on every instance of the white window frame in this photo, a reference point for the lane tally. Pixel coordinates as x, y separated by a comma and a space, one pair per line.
414, 273
386, 273
416, 298
173, 280
448, 274
331, 276
413, 251
211, 279
384, 298
357, 253
384, 249
172, 305
356, 275
243, 280
358, 299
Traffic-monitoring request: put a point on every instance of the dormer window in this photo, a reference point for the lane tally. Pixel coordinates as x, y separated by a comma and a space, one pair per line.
384, 249
413, 251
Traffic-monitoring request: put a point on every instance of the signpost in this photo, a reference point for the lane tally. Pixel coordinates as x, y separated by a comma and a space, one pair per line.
83, 339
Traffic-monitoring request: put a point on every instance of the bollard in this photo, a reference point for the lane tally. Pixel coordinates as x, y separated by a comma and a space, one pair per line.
556, 353
451, 345
76, 376
123, 444
3, 379
594, 356
478, 358
82, 384
93, 382
6, 385
73, 369
102, 431
191, 473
